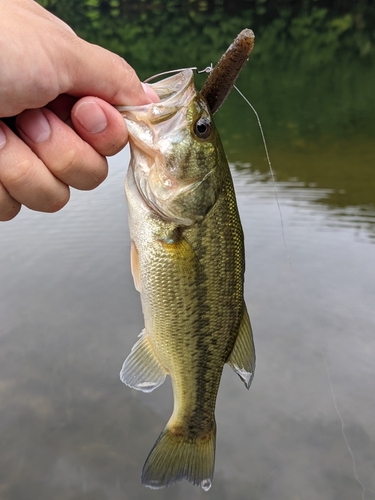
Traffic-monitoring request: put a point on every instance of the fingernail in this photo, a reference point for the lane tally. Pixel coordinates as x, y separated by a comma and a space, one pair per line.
91, 116
35, 125
150, 93
3, 138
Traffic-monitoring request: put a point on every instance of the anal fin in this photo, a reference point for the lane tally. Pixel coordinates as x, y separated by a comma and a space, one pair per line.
141, 369
134, 265
242, 357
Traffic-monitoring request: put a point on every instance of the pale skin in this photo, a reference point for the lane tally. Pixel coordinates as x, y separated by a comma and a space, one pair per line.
61, 91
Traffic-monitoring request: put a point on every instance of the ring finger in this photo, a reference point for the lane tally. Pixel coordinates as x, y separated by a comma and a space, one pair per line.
26, 179
68, 157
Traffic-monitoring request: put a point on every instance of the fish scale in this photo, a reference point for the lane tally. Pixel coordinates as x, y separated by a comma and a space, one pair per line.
188, 265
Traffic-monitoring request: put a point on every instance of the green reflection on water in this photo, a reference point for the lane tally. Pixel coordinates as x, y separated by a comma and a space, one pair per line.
319, 128
310, 77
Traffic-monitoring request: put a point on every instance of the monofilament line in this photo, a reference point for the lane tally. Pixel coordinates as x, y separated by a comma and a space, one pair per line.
343, 432
355, 472
171, 71
269, 164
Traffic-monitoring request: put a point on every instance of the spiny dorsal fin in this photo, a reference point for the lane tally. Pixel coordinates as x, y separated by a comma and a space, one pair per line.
242, 357
141, 369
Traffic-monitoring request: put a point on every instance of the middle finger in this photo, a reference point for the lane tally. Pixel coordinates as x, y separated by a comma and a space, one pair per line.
66, 155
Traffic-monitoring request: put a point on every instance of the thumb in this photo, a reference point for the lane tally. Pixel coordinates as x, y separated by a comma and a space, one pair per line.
94, 71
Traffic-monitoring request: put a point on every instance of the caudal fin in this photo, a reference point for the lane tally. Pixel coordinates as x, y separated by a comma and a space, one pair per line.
174, 458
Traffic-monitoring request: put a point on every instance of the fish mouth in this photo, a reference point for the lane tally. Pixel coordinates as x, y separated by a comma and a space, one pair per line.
172, 86
173, 93
160, 136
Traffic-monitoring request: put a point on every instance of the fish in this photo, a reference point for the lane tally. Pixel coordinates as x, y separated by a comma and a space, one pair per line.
187, 262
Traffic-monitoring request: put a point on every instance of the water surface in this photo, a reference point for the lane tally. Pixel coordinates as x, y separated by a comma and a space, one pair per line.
70, 315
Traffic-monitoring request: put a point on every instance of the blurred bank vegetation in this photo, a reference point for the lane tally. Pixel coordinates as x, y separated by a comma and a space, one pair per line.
310, 77
162, 34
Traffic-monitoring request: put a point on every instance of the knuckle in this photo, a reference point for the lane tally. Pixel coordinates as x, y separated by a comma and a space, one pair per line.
67, 163
19, 175
27, 183
81, 169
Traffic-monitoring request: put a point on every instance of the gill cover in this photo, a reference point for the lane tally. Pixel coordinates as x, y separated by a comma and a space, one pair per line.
174, 150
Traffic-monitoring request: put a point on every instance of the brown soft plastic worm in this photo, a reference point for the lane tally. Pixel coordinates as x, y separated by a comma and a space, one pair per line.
222, 78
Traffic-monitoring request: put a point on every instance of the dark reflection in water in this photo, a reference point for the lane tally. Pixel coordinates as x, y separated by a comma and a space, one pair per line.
320, 129
297, 194
69, 316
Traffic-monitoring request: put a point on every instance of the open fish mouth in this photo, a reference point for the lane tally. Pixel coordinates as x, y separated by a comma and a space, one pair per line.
172, 92
169, 159
170, 173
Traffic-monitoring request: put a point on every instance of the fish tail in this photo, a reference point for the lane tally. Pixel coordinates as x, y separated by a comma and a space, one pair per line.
175, 457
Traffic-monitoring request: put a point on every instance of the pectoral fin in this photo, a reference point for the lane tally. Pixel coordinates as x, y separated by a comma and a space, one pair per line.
141, 369
242, 357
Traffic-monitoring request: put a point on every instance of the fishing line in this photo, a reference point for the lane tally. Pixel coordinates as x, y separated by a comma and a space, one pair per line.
208, 69
170, 72
272, 174
335, 405
355, 472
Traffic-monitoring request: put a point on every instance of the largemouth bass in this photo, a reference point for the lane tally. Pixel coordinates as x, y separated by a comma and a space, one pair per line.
187, 260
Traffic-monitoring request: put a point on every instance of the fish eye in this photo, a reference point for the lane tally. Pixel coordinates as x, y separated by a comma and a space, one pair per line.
202, 128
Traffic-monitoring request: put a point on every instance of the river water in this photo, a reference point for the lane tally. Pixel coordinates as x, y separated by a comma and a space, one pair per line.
70, 430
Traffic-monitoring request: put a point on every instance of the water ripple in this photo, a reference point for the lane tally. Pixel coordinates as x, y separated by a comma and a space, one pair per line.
311, 202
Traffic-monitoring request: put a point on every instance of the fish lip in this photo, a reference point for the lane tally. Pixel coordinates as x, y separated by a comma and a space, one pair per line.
153, 129
169, 90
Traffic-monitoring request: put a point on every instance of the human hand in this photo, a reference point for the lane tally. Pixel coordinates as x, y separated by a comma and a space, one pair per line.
61, 133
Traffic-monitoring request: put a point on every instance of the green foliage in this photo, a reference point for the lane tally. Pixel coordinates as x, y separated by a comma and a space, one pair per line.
310, 76
156, 35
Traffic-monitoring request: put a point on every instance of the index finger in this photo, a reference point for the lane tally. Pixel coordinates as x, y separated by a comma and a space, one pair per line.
93, 70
